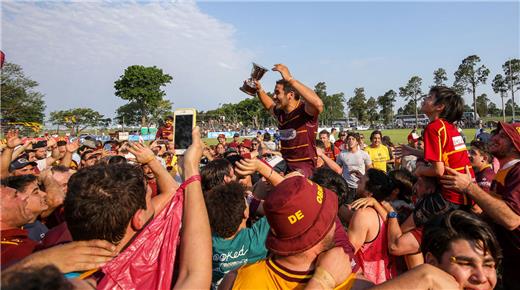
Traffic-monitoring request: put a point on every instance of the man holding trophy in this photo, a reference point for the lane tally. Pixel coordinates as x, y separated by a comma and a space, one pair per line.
296, 108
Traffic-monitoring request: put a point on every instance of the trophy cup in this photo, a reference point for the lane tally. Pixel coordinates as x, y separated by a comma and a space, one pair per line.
249, 86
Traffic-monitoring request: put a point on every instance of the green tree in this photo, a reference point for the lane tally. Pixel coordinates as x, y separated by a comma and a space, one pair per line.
386, 103
439, 77
482, 105
357, 105
512, 77
412, 93
407, 109
371, 108
19, 100
493, 110
129, 114
142, 85
469, 76
333, 107
500, 87
78, 119
509, 107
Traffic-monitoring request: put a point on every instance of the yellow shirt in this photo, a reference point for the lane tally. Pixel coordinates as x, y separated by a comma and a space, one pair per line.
267, 274
379, 156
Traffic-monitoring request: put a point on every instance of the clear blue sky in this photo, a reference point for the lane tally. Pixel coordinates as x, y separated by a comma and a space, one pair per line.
77, 50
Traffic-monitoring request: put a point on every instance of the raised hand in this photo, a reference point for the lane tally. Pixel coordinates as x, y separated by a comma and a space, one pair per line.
363, 202
193, 154
283, 70
73, 146
246, 167
13, 139
50, 142
142, 153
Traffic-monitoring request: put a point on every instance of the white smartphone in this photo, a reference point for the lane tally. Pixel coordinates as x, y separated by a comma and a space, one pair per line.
184, 121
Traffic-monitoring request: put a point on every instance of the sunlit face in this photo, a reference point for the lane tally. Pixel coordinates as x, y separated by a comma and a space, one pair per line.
376, 140
469, 265
13, 207
280, 99
40, 153
325, 139
220, 149
352, 142
500, 145
342, 136
36, 200
168, 123
91, 159
148, 173
244, 150
62, 178
477, 159
221, 140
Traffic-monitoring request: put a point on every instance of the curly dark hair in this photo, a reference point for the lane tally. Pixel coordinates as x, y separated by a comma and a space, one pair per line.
102, 199
226, 205
403, 180
379, 184
458, 224
453, 103
328, 178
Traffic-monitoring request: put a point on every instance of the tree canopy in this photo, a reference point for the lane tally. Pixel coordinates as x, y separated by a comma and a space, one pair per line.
411, 92
469, 75
141, 86
78, 119
20, 102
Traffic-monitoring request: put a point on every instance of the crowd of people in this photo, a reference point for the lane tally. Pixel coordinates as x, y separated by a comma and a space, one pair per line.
300, 210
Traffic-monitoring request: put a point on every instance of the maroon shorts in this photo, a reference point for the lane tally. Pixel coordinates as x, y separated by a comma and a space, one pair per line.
305, 168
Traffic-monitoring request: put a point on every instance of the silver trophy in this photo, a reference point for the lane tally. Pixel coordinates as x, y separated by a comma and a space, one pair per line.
249, 86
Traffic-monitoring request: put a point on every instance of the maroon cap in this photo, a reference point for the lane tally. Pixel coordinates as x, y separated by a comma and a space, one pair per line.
300, 214
221, 136
246, 143
512, 131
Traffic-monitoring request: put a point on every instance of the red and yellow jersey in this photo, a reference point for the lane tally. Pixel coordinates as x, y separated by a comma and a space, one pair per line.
297, 131
443, 143
267, 274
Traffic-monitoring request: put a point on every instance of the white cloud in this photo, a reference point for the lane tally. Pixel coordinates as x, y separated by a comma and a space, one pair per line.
76, 50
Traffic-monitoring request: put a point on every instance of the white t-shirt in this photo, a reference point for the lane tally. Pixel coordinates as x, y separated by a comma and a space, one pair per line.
353, 161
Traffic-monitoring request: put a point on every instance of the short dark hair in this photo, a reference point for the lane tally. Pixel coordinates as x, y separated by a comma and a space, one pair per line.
330, 179
267, 136
453, 103
226, 205
59, 168
19, 182
482, 147
324, 132
214, 172
116, 159
36, 277
287, 88
102, 199
375, 133
353, 135
403, 180
379, 184
442, 231
319, 144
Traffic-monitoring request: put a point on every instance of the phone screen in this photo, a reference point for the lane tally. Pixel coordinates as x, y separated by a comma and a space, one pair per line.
183, 128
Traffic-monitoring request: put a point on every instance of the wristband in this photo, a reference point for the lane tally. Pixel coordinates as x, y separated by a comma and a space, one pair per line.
289, 80
392, 215
190, 180
324, 278
149, 159
466, 190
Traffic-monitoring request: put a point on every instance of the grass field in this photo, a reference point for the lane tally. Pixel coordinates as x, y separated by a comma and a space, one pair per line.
396, 135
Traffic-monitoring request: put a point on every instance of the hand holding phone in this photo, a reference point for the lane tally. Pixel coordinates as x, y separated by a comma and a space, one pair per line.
184, 122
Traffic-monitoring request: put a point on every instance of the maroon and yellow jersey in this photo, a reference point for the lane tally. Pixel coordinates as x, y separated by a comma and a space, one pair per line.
297, 131
16, 245
165, 133
443, 143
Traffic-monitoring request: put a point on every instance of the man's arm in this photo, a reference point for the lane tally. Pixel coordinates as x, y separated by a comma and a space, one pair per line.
423, 277
313, 103
249, 166
55, 155
492, 206
399, 244
195, 246
266, 101
436, 170
329, 162
358, 227
71, 148
12, 141
165, 181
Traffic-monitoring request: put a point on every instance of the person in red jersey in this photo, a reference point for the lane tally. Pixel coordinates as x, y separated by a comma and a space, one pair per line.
480, 160
443, 145
166, 132
296, 108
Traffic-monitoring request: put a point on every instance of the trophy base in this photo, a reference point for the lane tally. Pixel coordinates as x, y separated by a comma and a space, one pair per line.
249, 90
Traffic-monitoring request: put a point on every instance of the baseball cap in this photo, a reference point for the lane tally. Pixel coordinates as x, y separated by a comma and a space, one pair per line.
246, 143
512, 131
236, 135
20, 163
300, 213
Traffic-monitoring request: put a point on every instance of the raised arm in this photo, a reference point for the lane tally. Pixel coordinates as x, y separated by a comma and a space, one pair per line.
313, 103
167, 185
195, 246
12, 141
399, 244
266, 101
329, 162
71, 148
